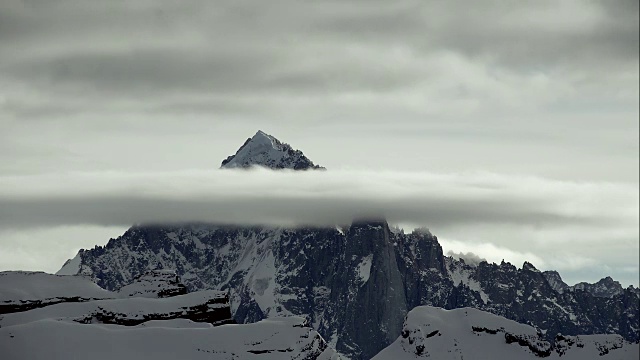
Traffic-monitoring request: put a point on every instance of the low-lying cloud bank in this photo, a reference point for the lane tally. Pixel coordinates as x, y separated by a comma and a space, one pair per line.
577, 224
310, 198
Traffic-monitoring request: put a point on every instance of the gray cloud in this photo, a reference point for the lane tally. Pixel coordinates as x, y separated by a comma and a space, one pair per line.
540, 219
292, 46
331, 197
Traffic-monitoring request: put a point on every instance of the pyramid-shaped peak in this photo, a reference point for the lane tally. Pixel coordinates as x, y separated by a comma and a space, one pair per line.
265, 150
262, 135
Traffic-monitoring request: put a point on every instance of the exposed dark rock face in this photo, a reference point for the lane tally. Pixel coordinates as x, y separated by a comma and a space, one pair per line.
353, 284
556, 282
35, 304
538, 347
606, 287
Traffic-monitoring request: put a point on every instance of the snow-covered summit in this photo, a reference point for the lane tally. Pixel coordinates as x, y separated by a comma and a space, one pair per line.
155, 284
467, 333
265, 150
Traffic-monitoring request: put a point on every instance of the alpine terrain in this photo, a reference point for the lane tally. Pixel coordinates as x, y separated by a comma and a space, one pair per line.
468, 333
355, 284
47, 316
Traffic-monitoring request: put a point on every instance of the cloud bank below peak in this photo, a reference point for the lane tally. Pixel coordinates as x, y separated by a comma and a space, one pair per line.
554, 224
286, 197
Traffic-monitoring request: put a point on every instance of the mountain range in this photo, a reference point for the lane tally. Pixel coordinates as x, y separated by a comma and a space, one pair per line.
354, 284
44, 316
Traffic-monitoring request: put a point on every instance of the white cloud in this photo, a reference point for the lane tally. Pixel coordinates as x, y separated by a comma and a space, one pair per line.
553, 224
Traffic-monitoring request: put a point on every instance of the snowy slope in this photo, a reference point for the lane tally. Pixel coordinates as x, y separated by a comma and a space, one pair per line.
22, 290
274, 339
207, 306
467, 333
20, 286
70, 267
187, 326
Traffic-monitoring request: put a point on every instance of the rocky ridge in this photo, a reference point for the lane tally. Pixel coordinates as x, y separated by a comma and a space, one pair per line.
605, 287
330, 276
155, 284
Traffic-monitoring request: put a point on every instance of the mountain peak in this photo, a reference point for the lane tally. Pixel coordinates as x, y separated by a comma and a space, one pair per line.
555, 281
265, 150
529, 266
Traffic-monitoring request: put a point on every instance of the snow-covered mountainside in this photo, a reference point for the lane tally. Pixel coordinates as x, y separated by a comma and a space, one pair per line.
470, 334
273, 339
354, 284
332, 276
78, 299
208, 306
127, 326
267, 151
24, 290
155, 284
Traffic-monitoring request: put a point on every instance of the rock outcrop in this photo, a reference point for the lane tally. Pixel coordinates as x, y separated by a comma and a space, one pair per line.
26, 290
155, 284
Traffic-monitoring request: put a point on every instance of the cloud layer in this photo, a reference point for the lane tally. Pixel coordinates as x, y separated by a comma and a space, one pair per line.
318, 198
570, 225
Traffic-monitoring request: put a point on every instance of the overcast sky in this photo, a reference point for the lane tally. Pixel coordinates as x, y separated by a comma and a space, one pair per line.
536, 100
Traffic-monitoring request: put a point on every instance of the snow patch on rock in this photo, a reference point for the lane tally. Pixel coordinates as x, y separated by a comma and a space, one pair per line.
363, 270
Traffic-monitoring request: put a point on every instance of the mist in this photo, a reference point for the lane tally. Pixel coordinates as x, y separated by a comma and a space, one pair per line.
555, 224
